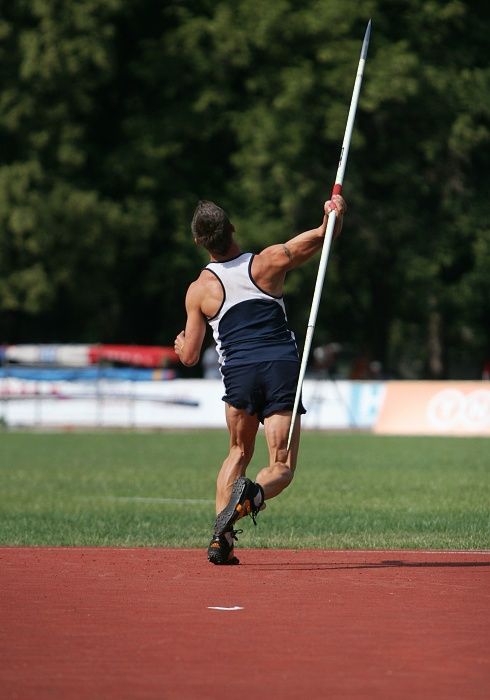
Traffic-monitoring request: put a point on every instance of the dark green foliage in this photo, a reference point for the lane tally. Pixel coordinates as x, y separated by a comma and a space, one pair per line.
116, 117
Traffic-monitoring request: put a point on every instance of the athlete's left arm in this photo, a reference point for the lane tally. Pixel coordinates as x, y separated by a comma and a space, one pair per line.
188, 343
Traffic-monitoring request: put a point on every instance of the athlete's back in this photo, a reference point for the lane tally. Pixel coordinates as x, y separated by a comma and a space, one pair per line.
251, 325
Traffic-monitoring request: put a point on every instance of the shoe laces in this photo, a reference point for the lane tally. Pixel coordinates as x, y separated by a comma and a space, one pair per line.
255, 510
234, 534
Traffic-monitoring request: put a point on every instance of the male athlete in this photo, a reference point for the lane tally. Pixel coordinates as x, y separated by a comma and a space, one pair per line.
240, 296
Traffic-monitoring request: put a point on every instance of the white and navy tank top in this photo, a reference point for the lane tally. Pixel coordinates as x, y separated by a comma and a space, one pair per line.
251, 325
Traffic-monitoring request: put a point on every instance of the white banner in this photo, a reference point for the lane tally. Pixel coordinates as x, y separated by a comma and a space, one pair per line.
182, 403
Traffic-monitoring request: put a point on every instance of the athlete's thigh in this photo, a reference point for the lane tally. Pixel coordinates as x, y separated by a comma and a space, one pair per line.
276, 427
242, 428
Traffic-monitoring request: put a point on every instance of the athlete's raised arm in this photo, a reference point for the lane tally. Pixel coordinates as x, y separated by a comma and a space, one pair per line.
270, 266
303, 246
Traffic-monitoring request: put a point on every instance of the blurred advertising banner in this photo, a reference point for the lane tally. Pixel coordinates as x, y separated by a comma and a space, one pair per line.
105, 399
435, 408
84, 355
102, 400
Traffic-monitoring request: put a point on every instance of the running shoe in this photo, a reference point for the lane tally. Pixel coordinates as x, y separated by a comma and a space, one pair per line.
221, 548
241, 503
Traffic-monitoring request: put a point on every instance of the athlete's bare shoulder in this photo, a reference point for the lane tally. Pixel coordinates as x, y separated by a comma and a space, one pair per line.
206, 292
269, 268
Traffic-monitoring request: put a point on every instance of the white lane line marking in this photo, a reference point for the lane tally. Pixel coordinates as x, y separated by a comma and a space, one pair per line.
218, 607
149, 499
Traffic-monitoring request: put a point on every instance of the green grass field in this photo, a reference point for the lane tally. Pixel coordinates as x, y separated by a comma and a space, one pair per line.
157, 489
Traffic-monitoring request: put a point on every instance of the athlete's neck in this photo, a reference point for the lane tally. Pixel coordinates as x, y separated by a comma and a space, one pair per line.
232, 252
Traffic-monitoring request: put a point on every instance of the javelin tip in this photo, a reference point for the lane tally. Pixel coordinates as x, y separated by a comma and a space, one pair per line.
365, 43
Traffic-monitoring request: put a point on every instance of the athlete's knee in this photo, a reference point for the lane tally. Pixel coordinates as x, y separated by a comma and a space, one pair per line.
284, 472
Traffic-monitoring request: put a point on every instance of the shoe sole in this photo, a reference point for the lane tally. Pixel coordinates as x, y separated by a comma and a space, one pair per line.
215, 556
234, 510
229, 562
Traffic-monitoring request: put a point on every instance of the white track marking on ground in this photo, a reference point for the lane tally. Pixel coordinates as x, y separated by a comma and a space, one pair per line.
149, 499
217, 607
392, 551
293, 550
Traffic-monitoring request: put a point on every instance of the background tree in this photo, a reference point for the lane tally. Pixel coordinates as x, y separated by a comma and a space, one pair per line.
116, 116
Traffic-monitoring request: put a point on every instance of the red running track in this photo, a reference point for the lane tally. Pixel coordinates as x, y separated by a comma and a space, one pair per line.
141, 624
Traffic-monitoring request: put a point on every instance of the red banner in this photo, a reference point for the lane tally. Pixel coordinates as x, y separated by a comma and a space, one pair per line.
139, 355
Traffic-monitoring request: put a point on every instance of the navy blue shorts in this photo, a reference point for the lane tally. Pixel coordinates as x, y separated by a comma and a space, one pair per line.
262, 389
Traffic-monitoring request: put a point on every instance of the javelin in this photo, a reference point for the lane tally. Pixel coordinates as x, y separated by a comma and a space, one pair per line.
337, 189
